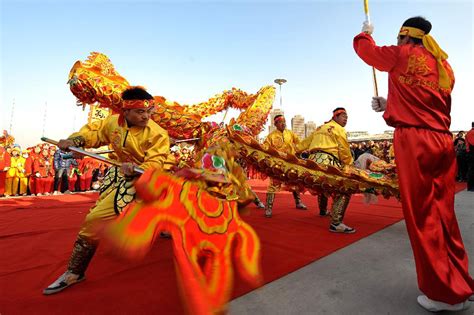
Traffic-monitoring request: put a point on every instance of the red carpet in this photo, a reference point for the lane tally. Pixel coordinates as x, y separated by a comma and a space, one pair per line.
36, 237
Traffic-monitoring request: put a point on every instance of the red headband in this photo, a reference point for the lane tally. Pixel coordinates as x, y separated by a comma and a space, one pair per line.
133, 104
279, 118
337, 112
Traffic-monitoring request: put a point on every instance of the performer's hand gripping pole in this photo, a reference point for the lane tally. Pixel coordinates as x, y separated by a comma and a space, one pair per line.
92, 155
367, 19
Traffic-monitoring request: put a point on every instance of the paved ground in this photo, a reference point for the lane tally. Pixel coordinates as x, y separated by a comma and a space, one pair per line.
373, 276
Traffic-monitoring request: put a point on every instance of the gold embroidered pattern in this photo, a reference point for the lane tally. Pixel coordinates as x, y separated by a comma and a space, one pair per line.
409, 80
417, 65
125, 191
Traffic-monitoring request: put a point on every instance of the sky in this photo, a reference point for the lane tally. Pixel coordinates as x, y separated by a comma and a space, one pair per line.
188, 51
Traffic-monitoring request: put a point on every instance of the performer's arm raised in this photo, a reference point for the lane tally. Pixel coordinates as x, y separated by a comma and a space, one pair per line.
382, 58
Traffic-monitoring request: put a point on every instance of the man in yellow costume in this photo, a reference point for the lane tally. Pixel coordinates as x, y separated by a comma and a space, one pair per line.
328, 145
16, 174
282, 140
137, 141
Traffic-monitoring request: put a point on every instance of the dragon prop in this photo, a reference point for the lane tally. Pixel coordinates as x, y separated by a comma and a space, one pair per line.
96, 81
198, 205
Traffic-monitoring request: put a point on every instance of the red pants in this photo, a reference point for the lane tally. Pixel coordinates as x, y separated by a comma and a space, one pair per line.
85, 181
72, 183
426, 167
44, 185
33, 183
2, 182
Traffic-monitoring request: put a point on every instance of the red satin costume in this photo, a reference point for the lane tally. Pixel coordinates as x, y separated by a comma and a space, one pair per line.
419, 110
4, 162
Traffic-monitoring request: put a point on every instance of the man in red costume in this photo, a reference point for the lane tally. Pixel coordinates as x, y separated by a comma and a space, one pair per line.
4, 166
44, 172
418, 106
33, 183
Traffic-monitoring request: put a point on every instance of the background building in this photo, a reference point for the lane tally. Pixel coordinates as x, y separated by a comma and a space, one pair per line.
298, 127
309, 127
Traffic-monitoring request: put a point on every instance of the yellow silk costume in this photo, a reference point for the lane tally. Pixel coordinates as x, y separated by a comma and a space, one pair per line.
147, 147
331, 138
284, 142
16, 180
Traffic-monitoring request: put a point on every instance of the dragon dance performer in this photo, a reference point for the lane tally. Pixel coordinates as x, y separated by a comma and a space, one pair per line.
282, 140
136, 141
418, 106
328, 145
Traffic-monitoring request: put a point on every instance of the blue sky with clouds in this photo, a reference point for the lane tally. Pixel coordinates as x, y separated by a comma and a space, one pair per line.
189, 51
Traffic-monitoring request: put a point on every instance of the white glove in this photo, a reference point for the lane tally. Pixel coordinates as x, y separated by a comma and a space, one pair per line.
367, 28
37, 175
379, 103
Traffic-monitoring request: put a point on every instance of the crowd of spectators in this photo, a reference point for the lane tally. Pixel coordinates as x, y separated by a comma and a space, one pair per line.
44, 170
382, 149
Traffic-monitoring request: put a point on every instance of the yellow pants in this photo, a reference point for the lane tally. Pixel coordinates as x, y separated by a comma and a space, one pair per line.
23, 185
118, 194
11, 185
99, 215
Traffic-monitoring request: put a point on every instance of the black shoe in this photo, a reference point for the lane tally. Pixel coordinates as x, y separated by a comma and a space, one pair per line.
323, 213
65, 280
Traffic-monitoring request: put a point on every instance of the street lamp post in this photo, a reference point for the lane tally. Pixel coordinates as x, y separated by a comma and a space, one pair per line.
280, 82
